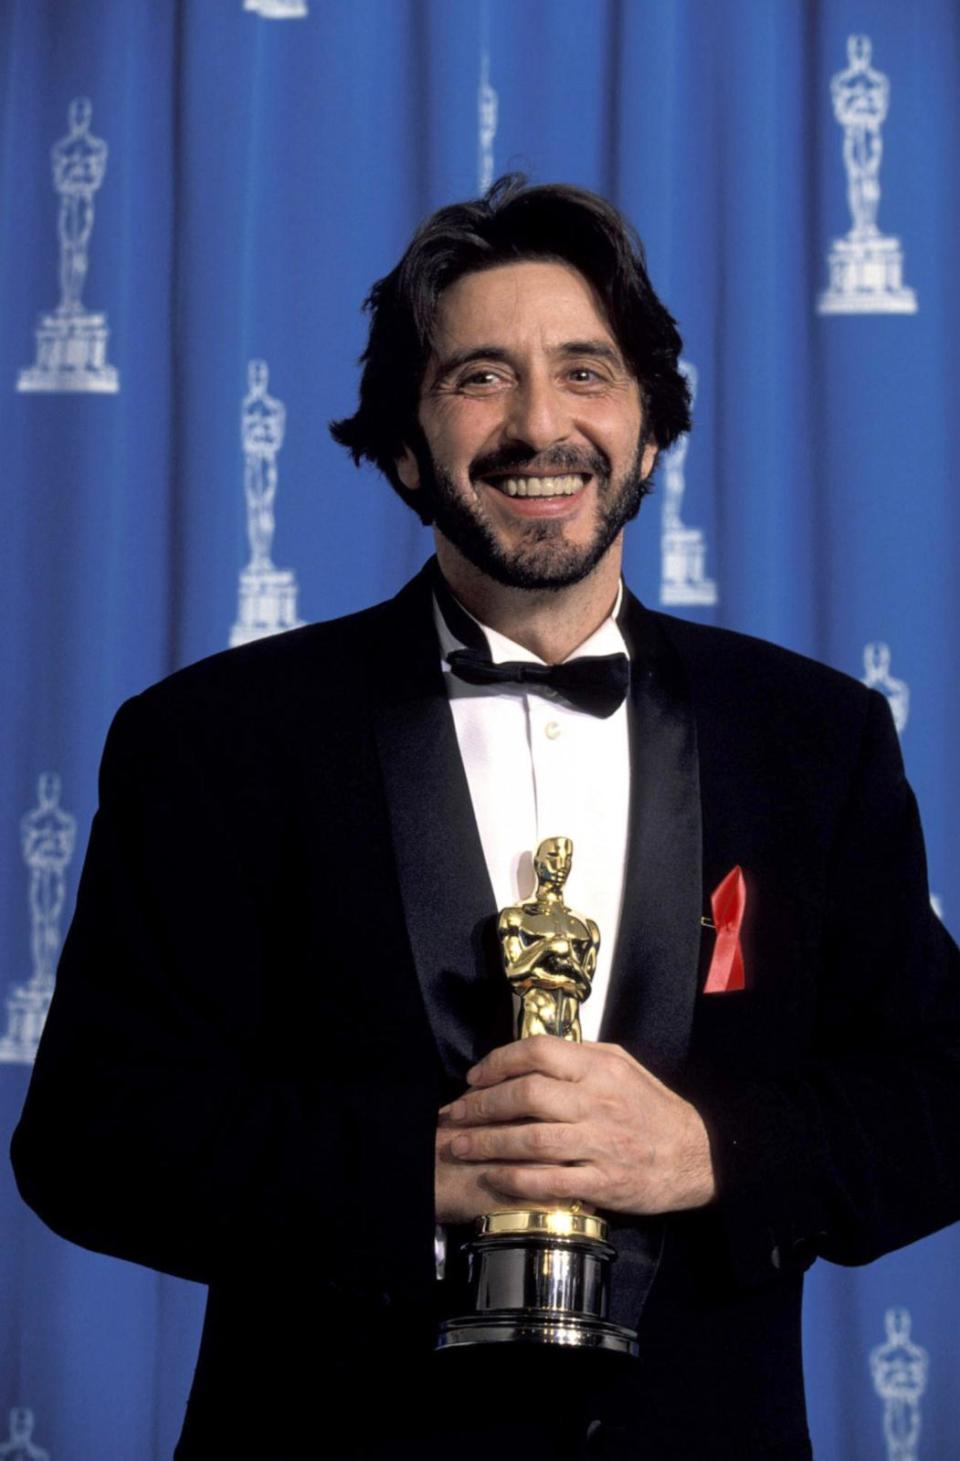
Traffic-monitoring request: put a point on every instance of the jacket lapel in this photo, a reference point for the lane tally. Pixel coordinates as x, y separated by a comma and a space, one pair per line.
653, 983
446, 892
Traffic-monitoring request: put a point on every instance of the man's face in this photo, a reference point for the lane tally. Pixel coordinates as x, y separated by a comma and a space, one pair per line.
532, 423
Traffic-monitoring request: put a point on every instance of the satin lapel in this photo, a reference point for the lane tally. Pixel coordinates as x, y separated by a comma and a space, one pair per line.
444, 884
650, 1002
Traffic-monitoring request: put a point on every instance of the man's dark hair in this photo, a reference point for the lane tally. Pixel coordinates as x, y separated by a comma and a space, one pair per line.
511, 222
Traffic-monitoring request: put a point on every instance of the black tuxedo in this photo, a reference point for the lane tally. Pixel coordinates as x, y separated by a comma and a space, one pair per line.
280, 966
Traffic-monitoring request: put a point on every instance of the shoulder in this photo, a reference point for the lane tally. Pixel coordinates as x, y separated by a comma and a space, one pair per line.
771, 699
714, 654
311, 674
306, 697
270, 661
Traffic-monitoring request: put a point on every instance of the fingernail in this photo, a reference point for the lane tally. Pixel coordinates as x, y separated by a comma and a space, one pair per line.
460, 1145
457, 1111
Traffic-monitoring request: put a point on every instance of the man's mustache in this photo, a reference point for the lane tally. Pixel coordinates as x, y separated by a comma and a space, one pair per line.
558, 459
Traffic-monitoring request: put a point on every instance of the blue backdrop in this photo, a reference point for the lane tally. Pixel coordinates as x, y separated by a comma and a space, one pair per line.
240, 173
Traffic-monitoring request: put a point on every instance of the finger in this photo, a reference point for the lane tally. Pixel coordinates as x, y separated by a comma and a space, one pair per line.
546, 1054
528, 1097
546, 1184
538, 1142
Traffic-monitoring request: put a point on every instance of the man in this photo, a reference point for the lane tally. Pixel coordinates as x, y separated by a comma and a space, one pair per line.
284, 1104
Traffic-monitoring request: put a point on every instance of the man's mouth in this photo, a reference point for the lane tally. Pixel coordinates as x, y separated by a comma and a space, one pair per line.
567, 485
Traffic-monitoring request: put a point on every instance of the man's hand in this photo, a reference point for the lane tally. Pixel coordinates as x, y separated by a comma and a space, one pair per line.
464, 1190
550, 1121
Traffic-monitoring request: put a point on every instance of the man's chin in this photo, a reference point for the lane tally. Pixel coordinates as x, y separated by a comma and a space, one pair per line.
544, 566
543, 559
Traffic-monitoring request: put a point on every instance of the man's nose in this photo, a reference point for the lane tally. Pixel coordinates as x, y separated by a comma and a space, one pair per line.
538, 414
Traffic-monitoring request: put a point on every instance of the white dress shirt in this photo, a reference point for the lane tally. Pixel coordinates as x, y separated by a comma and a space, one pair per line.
538, 768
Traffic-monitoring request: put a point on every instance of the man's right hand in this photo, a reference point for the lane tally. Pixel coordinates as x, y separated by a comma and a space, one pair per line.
464, 1190
548, 1121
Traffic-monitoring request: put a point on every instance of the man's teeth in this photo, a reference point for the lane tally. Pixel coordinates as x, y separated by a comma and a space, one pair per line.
540, 486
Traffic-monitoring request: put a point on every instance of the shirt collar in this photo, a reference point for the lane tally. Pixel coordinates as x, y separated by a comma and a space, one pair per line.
605, 639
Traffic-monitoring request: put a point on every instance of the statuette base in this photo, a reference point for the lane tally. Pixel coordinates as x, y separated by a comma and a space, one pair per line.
866, 277
268, 605
684, 581
71, 355
528, 1326
27, 1006
531, 1284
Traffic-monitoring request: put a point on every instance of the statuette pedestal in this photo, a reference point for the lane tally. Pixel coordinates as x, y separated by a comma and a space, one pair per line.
71, 355
267, 605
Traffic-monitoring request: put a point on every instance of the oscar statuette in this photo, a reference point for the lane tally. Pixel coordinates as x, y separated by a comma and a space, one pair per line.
542, 1275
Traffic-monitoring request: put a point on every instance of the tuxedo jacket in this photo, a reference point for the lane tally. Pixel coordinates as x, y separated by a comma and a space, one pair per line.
283, 961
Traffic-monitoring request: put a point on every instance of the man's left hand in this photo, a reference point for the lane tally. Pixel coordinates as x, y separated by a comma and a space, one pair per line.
563, 1121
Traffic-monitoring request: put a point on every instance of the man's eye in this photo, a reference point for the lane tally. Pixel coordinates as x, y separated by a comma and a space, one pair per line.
479, 380
584, 375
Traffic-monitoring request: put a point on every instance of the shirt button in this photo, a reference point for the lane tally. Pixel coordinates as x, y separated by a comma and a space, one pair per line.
551, 730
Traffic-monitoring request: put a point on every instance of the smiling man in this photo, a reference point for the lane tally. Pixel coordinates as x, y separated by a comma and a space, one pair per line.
292, 1109
537, 452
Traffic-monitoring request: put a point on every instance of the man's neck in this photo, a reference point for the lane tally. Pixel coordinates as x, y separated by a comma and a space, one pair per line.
550, 623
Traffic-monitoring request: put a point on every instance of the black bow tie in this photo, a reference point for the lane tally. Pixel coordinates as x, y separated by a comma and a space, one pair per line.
596, 683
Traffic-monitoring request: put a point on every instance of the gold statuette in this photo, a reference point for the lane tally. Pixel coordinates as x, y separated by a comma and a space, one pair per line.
549, 952
541, 1275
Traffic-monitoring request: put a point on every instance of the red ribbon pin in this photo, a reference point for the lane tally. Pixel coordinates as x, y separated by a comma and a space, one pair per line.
728, 902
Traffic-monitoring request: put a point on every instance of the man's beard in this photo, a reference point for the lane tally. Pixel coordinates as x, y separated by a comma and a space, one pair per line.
542, 558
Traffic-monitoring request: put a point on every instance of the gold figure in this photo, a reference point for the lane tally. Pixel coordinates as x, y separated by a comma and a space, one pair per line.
549, 952
540, 1274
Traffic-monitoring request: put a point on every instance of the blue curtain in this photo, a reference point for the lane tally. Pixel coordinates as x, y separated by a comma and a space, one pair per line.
195, 196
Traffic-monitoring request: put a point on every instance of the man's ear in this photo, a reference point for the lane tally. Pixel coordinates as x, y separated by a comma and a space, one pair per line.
649, 458
408, 470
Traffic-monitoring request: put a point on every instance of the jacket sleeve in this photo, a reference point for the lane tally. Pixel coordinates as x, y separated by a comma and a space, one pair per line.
160, 1126
856, 1150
